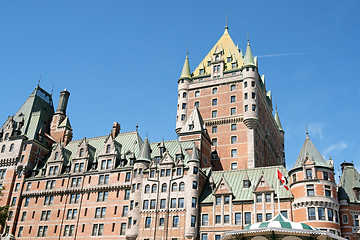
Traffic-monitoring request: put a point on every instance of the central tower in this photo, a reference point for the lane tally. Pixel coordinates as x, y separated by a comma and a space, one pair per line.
236, 108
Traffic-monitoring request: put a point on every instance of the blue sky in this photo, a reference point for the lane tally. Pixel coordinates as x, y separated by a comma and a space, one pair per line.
120, 60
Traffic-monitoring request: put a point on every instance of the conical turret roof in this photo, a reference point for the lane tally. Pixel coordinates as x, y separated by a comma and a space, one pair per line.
309, 150
145, 151
248, 59
186, 68
194, 154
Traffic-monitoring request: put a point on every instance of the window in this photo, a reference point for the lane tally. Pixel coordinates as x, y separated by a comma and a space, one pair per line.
21, 229
127, 194
3, 148
105, 164
345, 218
194, 185
233, 152
253, 107
122, 229
214, 129
102, 196
232, 87
162, 173
164, 188
214, 142
246, 108
183, 106
204, 220
259, 217
147, 222
226, 219
175, 221
193, 221
311, 213
214, 113
75, 182
193, 202
45, 215
197, 94
226, 199
259, 198
13, 202
127, 177
181, 186
173, 203
147, 188
161, 222
49, 200
247, 217
23, 216
152, 204
214, 90
327, 192
294, 177
321, 213
253, 95
326, 176
308, 174
214, 102
233, 127
81, 153
218, 200
196, 104
69, 230
233, 139
27, 201
17, 187
98, 229
331, 215
245, 84
195, 170
268, 197
42, 231
204, 236
152, 174
252, 83
233, 166
184, 94
146, 204
11, 147
284, 213
233, 65
125, 211
233, 99
162, 203
217, 219
181, 203
310, 189
237, 218
246, 183
233, 111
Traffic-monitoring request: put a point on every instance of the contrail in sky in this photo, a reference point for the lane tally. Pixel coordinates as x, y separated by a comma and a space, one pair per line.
286, 54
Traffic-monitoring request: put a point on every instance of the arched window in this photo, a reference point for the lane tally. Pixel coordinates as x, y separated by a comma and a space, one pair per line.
232, 87
174, 187
164, 188
11, 147
6, 136
56, 155
147, 188
81, 153
3, 148
214, 90
108, 148
153, 188
197, 94
184, 95
182, 187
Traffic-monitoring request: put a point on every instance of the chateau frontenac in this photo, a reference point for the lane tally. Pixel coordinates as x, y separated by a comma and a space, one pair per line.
218, 180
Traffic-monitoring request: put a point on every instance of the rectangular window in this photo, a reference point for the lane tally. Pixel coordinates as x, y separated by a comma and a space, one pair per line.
193, 202
268, 216
217, 219
127, 194
127, 177
327, 193
162, 222
226, 218
97, 230
308, 174
204, 220
122, 229
21, 229
23, 217
218, 200
259, 198
311, 213
233, 127
321, 213
330, 214
175, 221
326, 176
125, 211
147, 222
181, 203
214, 102
204, 236
233, 139
345, 218
268, 197
232, 111
196, 104
13, 202
102, 196
214, 129
214, 114
259, 217
194, 185
173, 203
310, 189
226, 199
233, 99
193, 221
247, 217
152, 204
146, 204
237, 218
233, 166
233, 152
284, 213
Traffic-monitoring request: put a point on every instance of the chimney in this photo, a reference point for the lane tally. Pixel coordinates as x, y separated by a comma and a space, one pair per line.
67, 137
115, 130
63, 101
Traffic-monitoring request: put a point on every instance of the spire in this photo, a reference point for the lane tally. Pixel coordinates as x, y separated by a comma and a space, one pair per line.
186, 68
194, 155
277, 120
226, 27
307, 133
248, 59
145, 151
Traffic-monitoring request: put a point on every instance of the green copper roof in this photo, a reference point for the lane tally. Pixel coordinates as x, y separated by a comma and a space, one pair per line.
349, 180
308, 149
279, 221
186, 68
145, 151
235, 179
277, 120
248, 59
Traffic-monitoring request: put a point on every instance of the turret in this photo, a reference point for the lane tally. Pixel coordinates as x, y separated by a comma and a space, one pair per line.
183, 90
250, 82
314, 189
192, 196
141, 163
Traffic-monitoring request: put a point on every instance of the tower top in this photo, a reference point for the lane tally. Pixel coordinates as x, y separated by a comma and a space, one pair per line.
277, 120
248, 59
186, 68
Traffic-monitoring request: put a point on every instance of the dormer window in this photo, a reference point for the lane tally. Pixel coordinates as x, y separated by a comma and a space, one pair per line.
201, 71
56, 156
233, 65
308, 173
81, 153
228, 59
246, 184
217, 57
208, 63
108, 148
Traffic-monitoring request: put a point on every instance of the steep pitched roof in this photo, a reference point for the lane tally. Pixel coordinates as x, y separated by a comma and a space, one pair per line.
66, 123
277, 120
309, 149
226, 44
186, 68
194, 122
235, 180
349, 180
248, 59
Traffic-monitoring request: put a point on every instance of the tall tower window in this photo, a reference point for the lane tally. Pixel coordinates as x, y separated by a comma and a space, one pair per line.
233, 99
184, 95
214, 142
321, 213
197, 94
253, 83
310, 190
214, 113
245, 96
308, 173
233, 111
196, 104
182, 117
233, 87
214, 102
253, 95
214, 91
325, 175
311, 213
183, 106
245, 84
246, 108
233, 152
81, 153
233, 127
253, 107
233, 139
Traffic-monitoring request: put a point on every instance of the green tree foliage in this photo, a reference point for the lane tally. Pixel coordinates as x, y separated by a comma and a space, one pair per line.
4, 212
